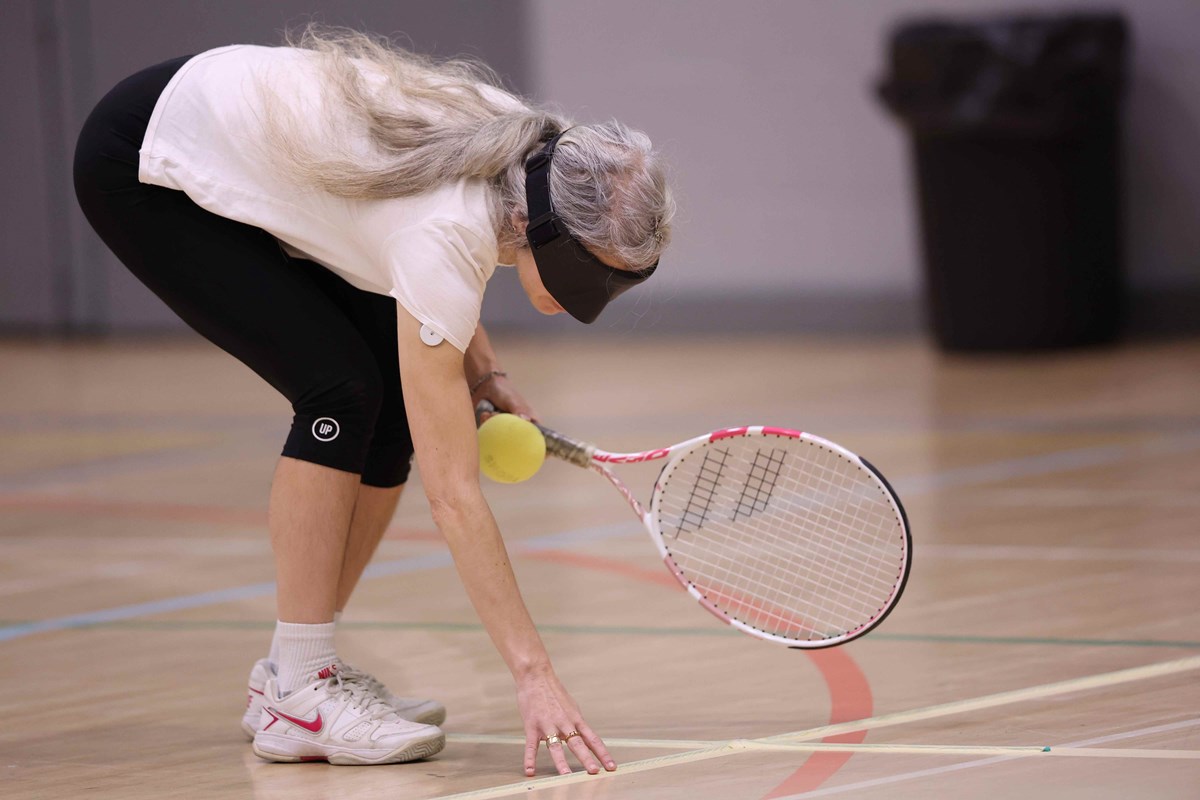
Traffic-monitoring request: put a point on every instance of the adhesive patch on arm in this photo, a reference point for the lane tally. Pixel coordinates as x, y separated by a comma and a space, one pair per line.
431, 337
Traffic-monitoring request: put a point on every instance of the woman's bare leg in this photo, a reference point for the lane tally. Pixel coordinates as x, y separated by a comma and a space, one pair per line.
373, 512
309, 518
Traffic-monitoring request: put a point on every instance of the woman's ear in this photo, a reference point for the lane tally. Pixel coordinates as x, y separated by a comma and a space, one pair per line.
519, 224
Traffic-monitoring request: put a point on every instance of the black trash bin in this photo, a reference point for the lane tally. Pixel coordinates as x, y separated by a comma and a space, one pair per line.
1015, 137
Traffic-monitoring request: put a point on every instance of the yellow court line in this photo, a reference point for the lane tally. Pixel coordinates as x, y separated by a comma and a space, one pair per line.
760, 744
791, 740
755, 745
665, 744
861, 748
581, 777
1104, 679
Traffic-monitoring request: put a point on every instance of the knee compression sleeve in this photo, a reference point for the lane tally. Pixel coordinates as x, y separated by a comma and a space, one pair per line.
334, 423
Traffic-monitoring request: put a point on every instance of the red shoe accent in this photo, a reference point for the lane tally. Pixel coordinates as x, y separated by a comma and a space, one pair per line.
313, 758
274, 719
312, 726
256, 691
328, 672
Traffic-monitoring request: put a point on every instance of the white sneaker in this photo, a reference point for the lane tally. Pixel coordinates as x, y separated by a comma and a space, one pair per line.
414, 709
426, 712
337, 718
262, 671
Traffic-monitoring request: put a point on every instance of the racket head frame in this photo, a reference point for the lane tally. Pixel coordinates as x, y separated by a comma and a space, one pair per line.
678, 452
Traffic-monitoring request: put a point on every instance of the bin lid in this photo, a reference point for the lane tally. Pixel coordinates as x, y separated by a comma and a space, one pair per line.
1028, 74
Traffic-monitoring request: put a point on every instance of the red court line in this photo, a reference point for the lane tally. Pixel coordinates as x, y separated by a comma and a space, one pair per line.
850, 698
170, 512
849, 690
604, 565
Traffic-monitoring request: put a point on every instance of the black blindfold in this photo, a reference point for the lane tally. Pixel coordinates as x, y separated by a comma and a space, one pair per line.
581, 283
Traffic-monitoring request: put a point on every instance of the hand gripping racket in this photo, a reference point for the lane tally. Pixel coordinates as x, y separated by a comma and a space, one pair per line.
781, 534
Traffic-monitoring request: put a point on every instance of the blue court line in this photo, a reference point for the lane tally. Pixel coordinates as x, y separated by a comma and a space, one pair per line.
164, 457
137, 610
1043, 464
256, 590
1061, 461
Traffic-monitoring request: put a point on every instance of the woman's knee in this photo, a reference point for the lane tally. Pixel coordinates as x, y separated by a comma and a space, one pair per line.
334, 419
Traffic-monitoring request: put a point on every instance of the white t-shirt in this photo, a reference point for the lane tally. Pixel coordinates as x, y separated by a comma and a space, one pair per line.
433, 252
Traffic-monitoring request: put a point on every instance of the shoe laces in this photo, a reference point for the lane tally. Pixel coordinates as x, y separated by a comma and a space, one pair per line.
362, 695
372, 683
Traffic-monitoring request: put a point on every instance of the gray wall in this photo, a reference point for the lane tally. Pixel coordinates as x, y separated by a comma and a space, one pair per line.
794, 184
61, 56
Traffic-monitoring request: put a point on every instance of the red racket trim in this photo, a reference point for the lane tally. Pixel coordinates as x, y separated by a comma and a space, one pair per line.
634, 503
630, 458
606, 457
788, 432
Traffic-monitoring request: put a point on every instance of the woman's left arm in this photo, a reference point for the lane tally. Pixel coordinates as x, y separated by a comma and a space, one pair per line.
487, 380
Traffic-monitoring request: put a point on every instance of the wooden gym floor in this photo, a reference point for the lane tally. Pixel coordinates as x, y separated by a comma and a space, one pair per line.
1054, 600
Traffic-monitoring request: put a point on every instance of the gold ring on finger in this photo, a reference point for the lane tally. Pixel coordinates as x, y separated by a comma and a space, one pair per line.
552, 739
567, 736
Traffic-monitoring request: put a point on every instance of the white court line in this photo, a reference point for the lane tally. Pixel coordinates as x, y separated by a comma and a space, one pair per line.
1116, 737
987, 552
983, 762
1113, 752
1104, 679
1012, 751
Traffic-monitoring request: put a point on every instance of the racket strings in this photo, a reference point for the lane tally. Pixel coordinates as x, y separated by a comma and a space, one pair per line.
764, 474
704, 490
846, 568
795, 539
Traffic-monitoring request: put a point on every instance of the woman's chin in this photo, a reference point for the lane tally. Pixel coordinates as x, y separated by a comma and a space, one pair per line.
548, 307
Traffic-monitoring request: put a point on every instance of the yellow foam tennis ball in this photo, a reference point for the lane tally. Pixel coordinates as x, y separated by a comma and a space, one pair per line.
511, 449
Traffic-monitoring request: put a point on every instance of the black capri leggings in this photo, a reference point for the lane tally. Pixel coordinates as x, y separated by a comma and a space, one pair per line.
328, 347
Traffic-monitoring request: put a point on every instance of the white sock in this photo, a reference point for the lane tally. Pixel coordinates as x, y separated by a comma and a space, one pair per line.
273, 653
303, 651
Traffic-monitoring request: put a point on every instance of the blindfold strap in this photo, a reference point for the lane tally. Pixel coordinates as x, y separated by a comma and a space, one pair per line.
543, 225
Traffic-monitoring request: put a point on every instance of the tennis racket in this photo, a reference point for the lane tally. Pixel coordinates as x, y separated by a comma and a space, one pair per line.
783, 535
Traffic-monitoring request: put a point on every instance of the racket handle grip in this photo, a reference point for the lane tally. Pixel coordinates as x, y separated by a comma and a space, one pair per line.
562, 447
568, 449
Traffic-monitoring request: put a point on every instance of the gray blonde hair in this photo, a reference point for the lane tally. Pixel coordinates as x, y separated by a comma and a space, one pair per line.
427, 123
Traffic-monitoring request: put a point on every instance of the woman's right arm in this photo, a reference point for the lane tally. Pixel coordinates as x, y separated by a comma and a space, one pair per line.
442, 422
